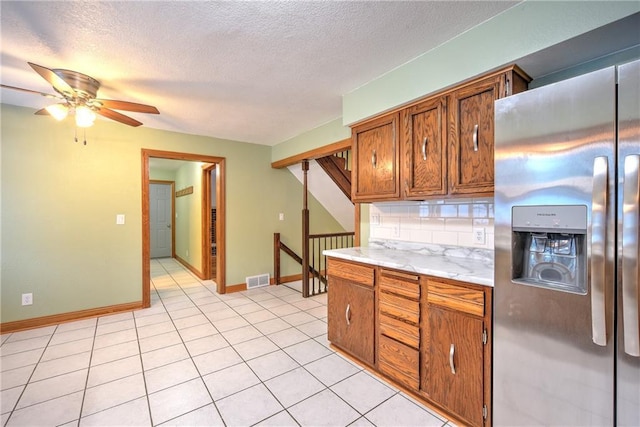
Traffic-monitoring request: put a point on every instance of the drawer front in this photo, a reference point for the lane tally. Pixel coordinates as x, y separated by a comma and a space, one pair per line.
354, 272
400, 331
406, 285
399, 307
456, 297
399, 362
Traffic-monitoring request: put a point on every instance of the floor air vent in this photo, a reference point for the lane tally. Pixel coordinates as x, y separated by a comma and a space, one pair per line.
257, 281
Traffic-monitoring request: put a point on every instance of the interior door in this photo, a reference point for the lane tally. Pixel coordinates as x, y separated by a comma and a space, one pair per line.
160, 219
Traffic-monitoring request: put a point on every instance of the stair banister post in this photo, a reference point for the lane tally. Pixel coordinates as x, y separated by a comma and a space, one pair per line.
305, 232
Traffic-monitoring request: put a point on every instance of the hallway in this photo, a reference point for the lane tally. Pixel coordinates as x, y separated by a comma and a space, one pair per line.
258, 357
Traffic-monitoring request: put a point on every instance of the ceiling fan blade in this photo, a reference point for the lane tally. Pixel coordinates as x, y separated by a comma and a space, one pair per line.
114, 115
56, 81
48, 95
42, 112
128, 106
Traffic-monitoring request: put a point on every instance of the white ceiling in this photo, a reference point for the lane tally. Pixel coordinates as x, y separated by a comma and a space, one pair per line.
256, 71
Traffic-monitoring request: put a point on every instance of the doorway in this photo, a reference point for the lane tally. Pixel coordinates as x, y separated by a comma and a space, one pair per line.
161, 215
215, 168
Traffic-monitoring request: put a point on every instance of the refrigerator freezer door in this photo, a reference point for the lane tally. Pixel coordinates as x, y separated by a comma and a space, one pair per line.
628, 361
547, 368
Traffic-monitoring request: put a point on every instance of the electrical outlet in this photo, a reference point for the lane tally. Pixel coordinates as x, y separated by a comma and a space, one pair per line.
375, 219
27, 299
120, 219
396, 231
478, 236
281, 217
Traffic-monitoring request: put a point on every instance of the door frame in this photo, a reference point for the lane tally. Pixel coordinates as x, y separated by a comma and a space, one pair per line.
219, 162
173, 214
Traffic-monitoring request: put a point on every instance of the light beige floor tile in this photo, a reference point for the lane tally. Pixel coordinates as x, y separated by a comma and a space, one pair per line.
272, 364
61, 366
156, 342
216, 360
152, 319
294, 386
155, 329
284, 309
114, 352
113, 393
114, 318
31, 333
306, 304
19, 360
278, 420
296, 319
236, 412
67, 349
50, 413
255, 348
188, 311
307, 351
190, 321
178, 400
72, 335
314, 328
288, 337
229, 323
400, 411
205, 416
134, 413
24, 345
250, 307
115, 370
8, 398
110, 327
114, 338
196, 332
242, 334
230, 380
319, 312
332, 369
315, 411
272, 326
15, 377
206, 344
51, 388
362, 391
362, 422
164, 356
259, 316
169, 375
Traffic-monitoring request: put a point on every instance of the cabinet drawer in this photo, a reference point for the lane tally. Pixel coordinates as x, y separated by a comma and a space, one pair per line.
456, 297
399, 362
403, 284
399, 307
400, 331
361, 274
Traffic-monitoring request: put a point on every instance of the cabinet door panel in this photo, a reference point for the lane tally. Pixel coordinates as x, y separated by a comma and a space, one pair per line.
424, 149
375, 152
456, 341
350, 318
472, 139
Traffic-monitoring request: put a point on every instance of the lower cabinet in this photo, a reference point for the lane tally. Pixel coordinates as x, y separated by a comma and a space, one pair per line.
350, 316
429, 335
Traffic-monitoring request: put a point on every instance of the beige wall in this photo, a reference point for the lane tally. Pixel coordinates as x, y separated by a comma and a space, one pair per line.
60, 199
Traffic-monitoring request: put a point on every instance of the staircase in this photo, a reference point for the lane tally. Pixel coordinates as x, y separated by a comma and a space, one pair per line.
338, 167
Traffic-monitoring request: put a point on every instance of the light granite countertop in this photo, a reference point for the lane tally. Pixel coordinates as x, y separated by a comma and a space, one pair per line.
457, 263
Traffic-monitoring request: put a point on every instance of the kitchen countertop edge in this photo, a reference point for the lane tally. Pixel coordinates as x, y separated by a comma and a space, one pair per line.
469, 270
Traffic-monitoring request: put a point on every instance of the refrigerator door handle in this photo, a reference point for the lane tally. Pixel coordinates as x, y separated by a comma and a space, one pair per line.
629, 255
598, 240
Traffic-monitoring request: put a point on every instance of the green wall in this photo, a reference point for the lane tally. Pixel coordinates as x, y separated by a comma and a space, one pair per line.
189, 215
60, 199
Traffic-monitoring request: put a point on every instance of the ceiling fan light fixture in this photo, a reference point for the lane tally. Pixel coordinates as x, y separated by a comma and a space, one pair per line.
58, 111
84, 116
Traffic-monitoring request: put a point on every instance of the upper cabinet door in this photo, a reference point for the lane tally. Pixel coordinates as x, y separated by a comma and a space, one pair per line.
471, 138
375, 151
424, 149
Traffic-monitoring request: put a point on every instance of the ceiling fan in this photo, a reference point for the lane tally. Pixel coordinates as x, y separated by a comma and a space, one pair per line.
77, 93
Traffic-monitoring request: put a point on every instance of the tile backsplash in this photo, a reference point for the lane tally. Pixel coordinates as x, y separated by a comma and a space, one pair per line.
453, 222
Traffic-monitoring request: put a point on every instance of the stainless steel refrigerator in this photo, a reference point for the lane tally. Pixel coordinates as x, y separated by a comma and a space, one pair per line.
566, 347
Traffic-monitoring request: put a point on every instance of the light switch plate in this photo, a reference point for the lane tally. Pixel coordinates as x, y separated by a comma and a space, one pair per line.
120, 219
478, 236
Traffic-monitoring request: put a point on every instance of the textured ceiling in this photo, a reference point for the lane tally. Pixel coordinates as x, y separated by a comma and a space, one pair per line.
260, 72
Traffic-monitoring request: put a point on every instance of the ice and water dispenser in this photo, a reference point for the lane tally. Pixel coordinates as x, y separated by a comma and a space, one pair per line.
549, 247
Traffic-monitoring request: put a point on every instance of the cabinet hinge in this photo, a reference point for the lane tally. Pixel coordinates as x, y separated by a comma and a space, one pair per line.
484, 412
484, 337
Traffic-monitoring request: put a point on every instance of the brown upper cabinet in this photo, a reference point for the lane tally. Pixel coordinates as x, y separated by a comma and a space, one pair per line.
376, 165
444, 147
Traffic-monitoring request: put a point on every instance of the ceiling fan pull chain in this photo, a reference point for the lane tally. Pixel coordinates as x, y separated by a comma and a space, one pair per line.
76, 135
85, 137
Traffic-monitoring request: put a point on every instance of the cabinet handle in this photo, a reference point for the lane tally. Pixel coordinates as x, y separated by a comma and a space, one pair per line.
507, 87
424, 149
630, 196
475, 138
452, 351
374, 159
347, 314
